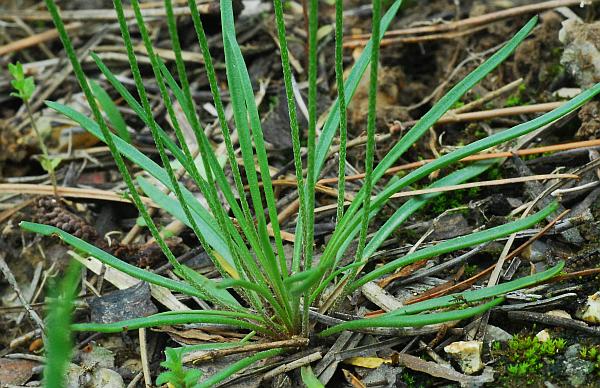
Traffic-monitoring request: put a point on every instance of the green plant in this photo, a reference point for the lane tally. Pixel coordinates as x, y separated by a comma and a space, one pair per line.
471, 270
276, 294
592, 354
516, 99
176, 373
58, 327
24, 88
528, 355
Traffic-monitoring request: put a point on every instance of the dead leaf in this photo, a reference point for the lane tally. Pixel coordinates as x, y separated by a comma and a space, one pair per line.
367, 362
15, 372
355, 381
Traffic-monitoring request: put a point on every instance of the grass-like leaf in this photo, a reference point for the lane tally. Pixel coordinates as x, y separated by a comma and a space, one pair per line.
59, 346
111, 110
405, 317
413, 320
209, 287
309, 378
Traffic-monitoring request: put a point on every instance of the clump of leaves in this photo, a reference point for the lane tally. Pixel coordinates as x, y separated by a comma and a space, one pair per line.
274, 291
24, 88
176, 374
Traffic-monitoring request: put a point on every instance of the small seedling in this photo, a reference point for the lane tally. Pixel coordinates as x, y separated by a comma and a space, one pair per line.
24, 88
176, 375
591, 354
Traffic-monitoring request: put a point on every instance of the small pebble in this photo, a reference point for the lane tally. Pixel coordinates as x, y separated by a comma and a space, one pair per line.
467, 354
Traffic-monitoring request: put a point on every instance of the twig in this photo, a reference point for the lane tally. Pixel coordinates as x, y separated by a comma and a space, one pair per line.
292, 365
436, 370
144, 357
496, 182
72, 192
205, 355
48, 35
15, 286
590, 185
416, 39
552, 320
488, 97
488, 114
483, 156
477, 20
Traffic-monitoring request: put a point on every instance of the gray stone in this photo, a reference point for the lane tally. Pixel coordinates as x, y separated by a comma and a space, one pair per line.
575, 369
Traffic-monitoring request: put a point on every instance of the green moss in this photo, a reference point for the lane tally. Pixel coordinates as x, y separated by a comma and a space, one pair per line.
517, 98
451, 200
457, 104
592, 354
471, 270
526, 357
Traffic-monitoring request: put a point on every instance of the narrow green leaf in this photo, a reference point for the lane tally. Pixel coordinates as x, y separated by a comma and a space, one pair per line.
163, 319
238, 366
138, 273
309, 379
481, 293
457, 243
60, 346
111, 110
412, 320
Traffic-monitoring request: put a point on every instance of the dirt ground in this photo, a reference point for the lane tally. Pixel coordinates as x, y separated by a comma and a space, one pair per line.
559, 59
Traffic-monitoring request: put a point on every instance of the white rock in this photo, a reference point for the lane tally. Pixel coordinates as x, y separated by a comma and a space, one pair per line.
567, 92
559, 314
107, 378
467, 354
98, 378
581, 55
591, 310
543, 336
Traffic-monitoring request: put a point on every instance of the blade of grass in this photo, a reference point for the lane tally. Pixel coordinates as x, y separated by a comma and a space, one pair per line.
167, 319
309, 379
295, 132
80, 75
154, 128
207, 187
339, 77
138, 273
111, 110
242, 98
481, 293
238, 366
457, 243
60, 345
247, 226
371, 117
412, 320
189, 109
333, 248
428, 120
